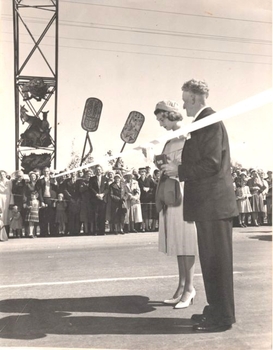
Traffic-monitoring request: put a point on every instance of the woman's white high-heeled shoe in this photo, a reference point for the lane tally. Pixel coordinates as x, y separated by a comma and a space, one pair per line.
187, 303
173, 300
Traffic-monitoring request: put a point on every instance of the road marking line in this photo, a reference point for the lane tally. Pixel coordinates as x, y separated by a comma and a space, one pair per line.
94, 281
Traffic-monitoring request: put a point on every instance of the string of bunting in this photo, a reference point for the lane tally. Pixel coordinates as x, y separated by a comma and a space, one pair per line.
241, 107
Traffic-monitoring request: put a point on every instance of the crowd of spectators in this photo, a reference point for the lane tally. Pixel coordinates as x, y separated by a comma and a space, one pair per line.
88, 202
92, 202
254, 197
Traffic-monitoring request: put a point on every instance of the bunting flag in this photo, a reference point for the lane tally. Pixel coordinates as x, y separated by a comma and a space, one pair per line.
232, 111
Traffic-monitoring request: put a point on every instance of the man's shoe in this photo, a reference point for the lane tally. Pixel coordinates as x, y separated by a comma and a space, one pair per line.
207, 327
198, 318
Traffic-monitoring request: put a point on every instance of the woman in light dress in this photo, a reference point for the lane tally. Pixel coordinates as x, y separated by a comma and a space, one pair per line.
134, 213
176, 237
242, 197
256, 188
3, 233
6, 197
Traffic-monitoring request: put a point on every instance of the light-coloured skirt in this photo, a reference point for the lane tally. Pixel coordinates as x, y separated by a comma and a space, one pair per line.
3, 233
176, 236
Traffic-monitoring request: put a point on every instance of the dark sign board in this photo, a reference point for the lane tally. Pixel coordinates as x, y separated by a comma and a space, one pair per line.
132, 127
91, 114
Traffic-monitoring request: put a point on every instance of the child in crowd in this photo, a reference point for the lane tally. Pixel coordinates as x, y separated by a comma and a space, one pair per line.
242, 196
61, 218
33, 214
16, 222
3, 233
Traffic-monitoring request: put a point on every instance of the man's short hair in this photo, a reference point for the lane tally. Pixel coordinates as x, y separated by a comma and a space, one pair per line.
198, 87
98, 166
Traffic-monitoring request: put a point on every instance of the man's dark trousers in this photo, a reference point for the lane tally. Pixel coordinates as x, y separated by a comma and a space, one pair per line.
216, 259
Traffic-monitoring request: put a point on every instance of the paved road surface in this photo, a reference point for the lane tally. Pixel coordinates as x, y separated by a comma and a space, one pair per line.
106, 293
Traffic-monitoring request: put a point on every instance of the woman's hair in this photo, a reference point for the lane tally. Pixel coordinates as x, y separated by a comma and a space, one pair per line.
17, 174
172, 116
33, 173
257, 179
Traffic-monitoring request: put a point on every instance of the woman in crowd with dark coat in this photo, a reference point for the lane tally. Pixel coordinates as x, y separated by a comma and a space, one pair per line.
47, 187
108, 215
71, 194
30, 185
146, 185
86, 210
18, 189
118, 193
155, 215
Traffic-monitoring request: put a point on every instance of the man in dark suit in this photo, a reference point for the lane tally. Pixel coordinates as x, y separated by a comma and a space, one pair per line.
98, 186
209, 200
47, 188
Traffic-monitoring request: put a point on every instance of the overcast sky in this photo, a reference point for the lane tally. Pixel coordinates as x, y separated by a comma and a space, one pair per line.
132, 54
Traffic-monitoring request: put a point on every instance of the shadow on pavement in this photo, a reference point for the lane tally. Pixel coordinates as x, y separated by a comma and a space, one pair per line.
36, 318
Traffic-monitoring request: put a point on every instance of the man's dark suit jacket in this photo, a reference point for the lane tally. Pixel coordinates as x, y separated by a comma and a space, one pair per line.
95, 189
40, 187
70, 189
205, 169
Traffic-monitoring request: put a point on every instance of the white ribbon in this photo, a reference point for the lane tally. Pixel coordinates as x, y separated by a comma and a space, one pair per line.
236, 109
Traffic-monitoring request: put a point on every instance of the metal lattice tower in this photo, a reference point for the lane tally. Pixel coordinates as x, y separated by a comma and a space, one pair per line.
35, 78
